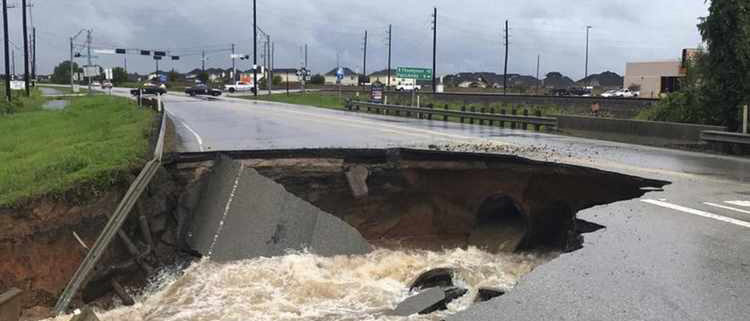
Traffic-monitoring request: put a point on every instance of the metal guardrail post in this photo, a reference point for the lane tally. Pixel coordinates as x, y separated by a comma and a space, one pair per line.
445, 117
513, 123
525, 124
481, 121
463, 109
537, 113
745, 119
471, 119
492, 112
502, 123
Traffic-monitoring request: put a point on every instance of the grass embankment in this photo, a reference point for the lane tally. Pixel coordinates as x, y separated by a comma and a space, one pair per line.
90, 145
316, 99
20, 102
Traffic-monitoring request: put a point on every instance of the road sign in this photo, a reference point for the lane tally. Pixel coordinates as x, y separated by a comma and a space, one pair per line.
414, 73
105, 51
108, 73
90, 71
17, 85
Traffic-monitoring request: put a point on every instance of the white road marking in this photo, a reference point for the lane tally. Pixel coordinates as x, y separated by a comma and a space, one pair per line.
197, 137
727, 207
739, 203
698, 212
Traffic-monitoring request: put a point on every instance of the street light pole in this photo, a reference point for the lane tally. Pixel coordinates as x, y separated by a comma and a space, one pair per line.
71, 56
7, 58
25, 50
586, 73
255, 51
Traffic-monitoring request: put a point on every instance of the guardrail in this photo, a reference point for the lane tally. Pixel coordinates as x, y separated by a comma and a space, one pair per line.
725, 137
10, 305
463, 115
116, 220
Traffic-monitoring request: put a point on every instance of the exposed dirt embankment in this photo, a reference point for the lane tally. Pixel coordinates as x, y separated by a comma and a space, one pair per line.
40, 252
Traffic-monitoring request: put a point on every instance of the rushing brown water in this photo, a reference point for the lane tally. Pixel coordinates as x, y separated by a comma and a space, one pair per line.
303, 286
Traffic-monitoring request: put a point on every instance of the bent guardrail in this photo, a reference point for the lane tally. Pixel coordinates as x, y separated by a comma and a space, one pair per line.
462, 115
115, 222
725, 137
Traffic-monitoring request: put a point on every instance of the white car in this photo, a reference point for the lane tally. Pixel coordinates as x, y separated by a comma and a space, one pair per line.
625, 93
239, 86
609, 93
408, 87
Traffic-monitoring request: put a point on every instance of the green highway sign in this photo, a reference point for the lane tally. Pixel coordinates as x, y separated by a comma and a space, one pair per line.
414, 73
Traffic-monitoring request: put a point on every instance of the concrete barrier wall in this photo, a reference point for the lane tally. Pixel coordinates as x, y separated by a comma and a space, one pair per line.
655, 132
10, 305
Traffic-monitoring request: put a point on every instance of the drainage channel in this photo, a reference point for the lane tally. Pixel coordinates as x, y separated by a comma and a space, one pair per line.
363, 234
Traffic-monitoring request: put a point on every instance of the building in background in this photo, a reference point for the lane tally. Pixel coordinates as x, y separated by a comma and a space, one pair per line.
288, 75
350, 77
655, 78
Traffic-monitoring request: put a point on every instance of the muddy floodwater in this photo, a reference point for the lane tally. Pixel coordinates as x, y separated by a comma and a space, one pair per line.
303, 286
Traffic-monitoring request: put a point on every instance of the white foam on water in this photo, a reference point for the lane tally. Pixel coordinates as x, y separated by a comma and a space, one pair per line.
304, 286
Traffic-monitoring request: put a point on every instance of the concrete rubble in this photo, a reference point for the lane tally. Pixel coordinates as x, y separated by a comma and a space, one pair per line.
242, 214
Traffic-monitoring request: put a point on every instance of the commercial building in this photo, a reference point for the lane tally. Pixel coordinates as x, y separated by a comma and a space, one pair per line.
655, 78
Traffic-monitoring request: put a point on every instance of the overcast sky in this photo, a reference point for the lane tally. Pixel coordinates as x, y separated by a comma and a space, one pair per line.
469, 32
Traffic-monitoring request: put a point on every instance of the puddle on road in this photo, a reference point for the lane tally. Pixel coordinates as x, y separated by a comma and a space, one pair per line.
303, 286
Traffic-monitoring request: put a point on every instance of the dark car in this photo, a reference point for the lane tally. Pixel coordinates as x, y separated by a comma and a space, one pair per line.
202, 89
150, 89
559, 92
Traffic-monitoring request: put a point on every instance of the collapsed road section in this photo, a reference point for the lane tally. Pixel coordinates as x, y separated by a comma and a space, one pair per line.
340, 234
394, 198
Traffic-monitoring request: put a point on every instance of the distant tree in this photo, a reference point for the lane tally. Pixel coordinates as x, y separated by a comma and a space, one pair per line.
726, 84
172, 76
277, 80
554, 74
119, 75
203, 77
317, 79
61, 74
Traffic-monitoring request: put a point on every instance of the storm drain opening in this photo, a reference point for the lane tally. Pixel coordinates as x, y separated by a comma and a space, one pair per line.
367, 234
500, 226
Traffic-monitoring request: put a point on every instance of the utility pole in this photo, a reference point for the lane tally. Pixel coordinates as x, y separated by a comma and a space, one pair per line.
125, 58
364, 62
505, 72
234, 67
88, 43
538, 81
33, 51
255, 51
269, 82
71, 62
25, 50
434, 50
273, 53
203, 60
305, 56
7, 49
586, 72
390, 37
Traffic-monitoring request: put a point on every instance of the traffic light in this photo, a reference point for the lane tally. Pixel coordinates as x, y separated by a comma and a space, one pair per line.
245, 57
145, 52
160, 53
120, 51
175, 57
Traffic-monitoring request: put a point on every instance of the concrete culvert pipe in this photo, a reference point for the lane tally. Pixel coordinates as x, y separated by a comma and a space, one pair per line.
500, 225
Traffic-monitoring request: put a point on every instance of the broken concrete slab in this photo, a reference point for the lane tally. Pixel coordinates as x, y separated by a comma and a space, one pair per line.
85, 314
425, 302
357, 178
243, 214
486, 294
440, 277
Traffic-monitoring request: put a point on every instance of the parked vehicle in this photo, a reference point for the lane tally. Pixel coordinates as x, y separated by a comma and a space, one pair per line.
202, 89
609, 93
577, 91
560, 92
625, 93
150, 89
239, 86
106, 85
408, 87
96, 84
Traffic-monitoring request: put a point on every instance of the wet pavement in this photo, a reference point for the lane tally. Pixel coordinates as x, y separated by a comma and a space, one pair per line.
678, 254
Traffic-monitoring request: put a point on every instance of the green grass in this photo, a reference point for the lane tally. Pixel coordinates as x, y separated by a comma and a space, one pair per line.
20, 102
316, 99
89, 146
67, 90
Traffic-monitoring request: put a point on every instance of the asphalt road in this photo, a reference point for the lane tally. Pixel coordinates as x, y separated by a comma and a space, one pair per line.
679, 254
